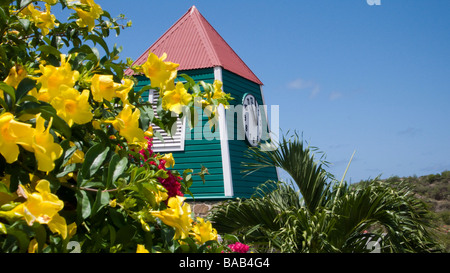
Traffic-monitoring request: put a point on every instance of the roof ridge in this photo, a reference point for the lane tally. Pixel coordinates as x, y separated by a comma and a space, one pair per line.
204, 35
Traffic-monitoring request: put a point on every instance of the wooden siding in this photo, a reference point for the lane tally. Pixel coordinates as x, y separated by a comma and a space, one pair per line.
208, 152
243, 186
198, 153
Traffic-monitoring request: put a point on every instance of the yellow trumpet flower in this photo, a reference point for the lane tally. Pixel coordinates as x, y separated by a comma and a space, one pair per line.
177, 215
203, 231
159, 72
175, 100
43, 206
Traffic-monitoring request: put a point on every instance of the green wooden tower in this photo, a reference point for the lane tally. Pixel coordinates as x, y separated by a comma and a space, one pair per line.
205, 56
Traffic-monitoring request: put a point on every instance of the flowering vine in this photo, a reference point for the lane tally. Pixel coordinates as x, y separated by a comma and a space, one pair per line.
76, 158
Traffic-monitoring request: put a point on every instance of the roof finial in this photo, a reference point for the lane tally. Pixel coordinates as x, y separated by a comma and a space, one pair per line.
192, 9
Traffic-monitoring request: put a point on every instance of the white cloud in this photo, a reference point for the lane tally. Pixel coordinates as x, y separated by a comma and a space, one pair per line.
335, 95
308, 85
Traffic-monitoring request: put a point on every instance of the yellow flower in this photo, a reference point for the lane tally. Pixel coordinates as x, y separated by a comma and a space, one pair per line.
46, 21
72, 106
42, 206
160, 195
141, 249
204, 232
124, 89
43, 20
175, 100
13, 133
149, 132
170, 162
53, 78
96, 124
177, 215
15, 76
113, 203
159, 72
218, 93
77, 157
103, 87
45, 149
33, 246
71, 229
88, 14
127, 123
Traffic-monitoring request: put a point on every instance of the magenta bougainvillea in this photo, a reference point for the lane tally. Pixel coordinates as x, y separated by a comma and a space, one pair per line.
239, 247
172, 182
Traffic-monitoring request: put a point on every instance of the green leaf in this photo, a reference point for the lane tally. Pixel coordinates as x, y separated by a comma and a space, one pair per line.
3, 16
116, 167
41, 235
3, 229
98, 40
125, 234
8, 90
27, 98
19, 176
188, 79
49, 50
147, 116
67, 154
158, 135
22, 238
25, 86
101, 200
23, 3
47, 112
96, 54
83, 205
112, 234
3, 103
94, 159
143, 89
25, 23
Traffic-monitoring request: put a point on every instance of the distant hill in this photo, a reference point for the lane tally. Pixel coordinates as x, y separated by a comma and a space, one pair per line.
434, 190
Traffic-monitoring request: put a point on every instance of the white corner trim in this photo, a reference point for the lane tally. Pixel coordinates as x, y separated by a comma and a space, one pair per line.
225, 151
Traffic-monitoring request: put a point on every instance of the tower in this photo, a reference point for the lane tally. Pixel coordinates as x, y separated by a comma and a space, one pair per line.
205, 56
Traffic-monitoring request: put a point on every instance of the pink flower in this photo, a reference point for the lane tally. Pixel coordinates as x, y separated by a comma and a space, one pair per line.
239, 247
171, 183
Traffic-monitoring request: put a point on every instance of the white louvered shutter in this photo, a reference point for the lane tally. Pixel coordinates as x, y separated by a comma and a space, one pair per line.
171, 143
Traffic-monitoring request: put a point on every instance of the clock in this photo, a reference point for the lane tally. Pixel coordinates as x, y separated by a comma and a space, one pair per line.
252, 121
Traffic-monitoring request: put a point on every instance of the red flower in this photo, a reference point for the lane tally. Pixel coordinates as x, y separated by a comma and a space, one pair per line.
239, 247
171, 183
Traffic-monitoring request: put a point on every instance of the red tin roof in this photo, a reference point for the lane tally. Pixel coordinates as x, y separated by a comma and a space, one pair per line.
193, 43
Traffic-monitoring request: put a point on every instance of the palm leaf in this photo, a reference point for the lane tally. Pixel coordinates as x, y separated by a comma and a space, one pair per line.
297, 159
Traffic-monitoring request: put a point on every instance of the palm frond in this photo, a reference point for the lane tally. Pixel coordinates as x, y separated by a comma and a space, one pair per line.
393, 215
298, 160
255, 217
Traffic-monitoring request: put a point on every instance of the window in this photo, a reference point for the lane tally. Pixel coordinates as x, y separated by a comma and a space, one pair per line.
171, 143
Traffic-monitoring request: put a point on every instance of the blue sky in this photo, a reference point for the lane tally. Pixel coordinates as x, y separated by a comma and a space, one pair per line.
348, 75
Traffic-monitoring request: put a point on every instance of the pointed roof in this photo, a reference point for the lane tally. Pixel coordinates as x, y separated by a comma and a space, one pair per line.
193, 43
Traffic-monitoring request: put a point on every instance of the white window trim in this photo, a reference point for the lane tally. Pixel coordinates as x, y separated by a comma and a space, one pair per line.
224, 147
160, 146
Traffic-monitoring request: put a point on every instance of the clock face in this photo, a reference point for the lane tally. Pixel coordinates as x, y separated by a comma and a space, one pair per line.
252, 121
